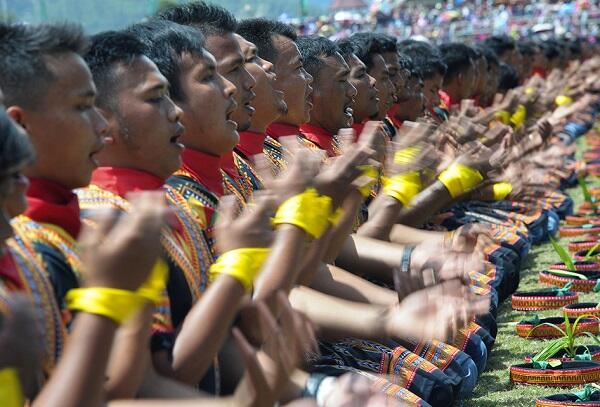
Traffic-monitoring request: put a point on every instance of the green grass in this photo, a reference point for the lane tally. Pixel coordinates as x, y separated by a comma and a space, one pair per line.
494, 388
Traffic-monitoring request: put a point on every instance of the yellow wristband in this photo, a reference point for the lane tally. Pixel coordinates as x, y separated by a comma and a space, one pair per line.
406, 155
308, 210
503, 116
11, 394
402, 187
336, 216
241, 264
154, 287
562, 100
112, 303
370, 172
459, 179
501, 190
518, 118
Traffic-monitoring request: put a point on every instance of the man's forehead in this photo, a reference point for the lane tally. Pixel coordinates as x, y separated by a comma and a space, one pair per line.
356, 63
71, 73
142, 72
336, 63
223, 46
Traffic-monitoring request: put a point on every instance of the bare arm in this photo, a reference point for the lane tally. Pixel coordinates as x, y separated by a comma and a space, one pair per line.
129, 358
425, 204
282, 268
205, 329
342, 284
79, 376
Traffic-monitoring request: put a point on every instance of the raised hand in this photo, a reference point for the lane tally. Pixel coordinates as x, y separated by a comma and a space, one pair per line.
303, 166
436, 312
336, 179
251, 228
284, 345
121, 250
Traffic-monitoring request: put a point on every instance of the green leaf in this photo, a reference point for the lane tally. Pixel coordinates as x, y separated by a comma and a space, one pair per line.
552, 349
586, 192
565, 273
563, 254
550, 325
589, 255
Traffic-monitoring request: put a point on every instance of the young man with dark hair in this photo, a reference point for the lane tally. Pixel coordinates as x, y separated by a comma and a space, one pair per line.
66, 129
49, 91
331, 91
460, 79
141, 151
506, 50
369, 49
218, 26
367, 101
493, 76
430, 66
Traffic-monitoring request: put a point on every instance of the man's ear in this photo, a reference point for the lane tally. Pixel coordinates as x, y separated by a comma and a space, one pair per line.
113, 125
18, 115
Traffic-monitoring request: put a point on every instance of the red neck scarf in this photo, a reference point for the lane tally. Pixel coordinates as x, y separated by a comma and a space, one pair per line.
319, 136
120, 180
392, 115
8, 270
206, 168
251, 143
228, 165
358, 128
277, 130
49, 202
540, 72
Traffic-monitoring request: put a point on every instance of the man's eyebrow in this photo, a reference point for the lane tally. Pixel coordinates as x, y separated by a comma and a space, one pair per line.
343, 72
88, 93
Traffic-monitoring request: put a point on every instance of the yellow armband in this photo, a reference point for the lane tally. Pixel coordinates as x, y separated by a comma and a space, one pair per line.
241, 264
406, 156
518, 118
153, 288
459, 179
562, 100
112, 303
501, 190
402, 187
503, 116
370, 172
308, 210
11, 394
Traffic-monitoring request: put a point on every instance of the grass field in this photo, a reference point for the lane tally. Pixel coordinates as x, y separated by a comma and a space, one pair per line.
494, 388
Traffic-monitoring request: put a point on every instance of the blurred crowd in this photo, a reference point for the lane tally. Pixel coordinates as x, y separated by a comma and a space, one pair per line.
469, 20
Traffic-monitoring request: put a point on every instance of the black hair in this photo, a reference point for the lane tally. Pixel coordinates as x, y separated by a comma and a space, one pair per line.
366, 45
405, 61
167, 43
550, 49
426, 59
208, 18
491, 57
500, 44
24, 73
313, 50
261, 31
509, 78
527, 48
346, 48
457, 57
15, 148
386, 43
107, 50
